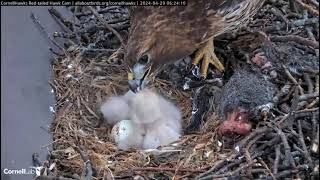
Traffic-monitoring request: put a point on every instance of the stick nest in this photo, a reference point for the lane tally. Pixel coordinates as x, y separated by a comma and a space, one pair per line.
283, 145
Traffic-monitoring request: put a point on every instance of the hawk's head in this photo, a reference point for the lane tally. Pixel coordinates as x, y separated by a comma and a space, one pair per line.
154, 41
144, 59
148, 53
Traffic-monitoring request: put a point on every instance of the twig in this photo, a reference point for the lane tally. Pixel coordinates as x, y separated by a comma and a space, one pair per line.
269, 143
254, 140
285, 173
308, 7
268, 169
236, 162
292, 79
232, 173
315, 141
287, 148
52, 178
307, 97
310, 71
295, 38
293, 6
314, 2
306, 110
309, 82
316, 89
249, 160
63, 110
277, 12
303, 144
303, 22
262, 130
315, 124
217, 166
97, 15
276, 160
87, 163
85, 50
94, 28
162, 169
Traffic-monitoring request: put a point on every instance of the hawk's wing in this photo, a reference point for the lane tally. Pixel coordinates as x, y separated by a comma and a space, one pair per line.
200, 19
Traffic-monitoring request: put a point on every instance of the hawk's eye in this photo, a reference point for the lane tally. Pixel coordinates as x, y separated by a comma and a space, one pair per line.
143, 59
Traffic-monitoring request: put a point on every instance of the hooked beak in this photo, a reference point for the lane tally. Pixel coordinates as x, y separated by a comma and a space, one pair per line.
137, 78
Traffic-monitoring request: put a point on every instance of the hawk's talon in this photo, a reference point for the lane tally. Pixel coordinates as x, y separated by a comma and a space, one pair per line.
192, 67
206, 53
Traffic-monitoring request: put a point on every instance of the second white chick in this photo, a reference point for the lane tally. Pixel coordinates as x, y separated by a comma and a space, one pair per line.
159, 135
160, 118
115, 109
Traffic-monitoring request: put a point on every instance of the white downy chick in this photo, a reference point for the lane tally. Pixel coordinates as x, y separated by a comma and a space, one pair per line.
115, 109
160, 118
129, 95
159, 135
171, 114
165, 130
145, 107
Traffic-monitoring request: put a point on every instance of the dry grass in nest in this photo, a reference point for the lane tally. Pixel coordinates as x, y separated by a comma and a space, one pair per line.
81, 86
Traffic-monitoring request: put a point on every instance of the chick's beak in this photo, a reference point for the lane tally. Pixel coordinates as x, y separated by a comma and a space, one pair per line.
138, 77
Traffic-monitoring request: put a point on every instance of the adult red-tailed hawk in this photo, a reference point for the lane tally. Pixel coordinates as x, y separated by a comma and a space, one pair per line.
161, 35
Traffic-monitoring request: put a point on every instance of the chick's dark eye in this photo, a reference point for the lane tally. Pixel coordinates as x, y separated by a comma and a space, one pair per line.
143, 59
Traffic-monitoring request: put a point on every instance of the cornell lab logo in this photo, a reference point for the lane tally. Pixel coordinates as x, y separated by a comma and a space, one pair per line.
19, 171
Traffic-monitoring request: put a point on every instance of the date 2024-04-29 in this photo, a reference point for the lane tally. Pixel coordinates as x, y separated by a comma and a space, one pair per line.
162, 3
